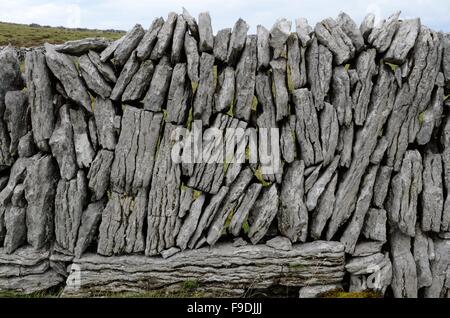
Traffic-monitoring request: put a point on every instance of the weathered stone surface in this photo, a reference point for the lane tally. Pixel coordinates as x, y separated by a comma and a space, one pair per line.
364, 264
245, 80
206, 38
80, 47
224, 96
229, 203
281, 93
192, 57
366, 248
139, 83
422, 258
345, 145
292, 214
128, 44
367, 25
263, 47
17, 175
92, 77
263, 88
164, 198
99, 173
170, 252
263, 213
15, 221
122, 227
63, 145
191, 23
179, 96
352, 232
135, 151
320, 185
279, 34
70, 201
130, 68
146, 45
366, 68
83, 147
40, 189
296, 62
340, 95
439, 270
108, 52
237, 41
329, 132
404, 278
330, 34
324, 209
287, 139
40, 98
178, 40
381, 36
403, 41
221, 42
304, 31
316, 291
404, 191
16, 117
375, 225
240, 216
381, 186
190, 223
104, 114
319, 70
351, 30
165, 35
159, 86
90, 220
223, 264
203, 100
307, 127
103, 68
66, 72
280, 243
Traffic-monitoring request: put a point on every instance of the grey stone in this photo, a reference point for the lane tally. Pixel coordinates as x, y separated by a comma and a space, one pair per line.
192, 57
239, 241
351, 30
16, 176
164, 198
165, 35
136, 150
263, 88
186, 199
367, 25
70, 201
40, 98
104, 114
345, 145
329, 132
307, 127
83, 148
404, 191
280, 243
140, 82
170, 252
319, 69
245, 80
99, 173
263, 47
190, 223
381, 186
263, 213
128, 44
179, 96
366, 248
145, 47
63, 145
191, 23
304, 31
80, 47
281, 93
90, 220
364, 264
330, 34
403, 41
292, 214
221, 42
242, 210
237, 41
103, 68
439, 270
340, 95
279, 34
317, 290
66, 72
40, 190
206, 38
108, 52
352, 232
296, 62
178, 40
15, 224
287, 139
203, 100
26, 146
375, 225
130, 68
223, 99
16, 117
422, 259
159, 86
382, 35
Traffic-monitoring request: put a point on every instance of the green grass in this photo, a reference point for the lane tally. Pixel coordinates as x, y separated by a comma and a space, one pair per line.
21, 35
339, 293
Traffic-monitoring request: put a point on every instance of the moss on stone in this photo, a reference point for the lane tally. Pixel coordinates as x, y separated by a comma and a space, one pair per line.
339, 293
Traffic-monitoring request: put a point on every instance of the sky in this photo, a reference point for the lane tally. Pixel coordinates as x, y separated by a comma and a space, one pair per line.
123, 14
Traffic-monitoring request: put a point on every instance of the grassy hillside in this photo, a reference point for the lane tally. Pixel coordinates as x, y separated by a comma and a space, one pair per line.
21, 35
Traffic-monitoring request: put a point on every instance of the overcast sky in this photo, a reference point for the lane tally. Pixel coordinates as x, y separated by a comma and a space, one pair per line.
123, 14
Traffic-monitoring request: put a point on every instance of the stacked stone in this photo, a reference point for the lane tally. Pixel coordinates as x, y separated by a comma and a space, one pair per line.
86, 162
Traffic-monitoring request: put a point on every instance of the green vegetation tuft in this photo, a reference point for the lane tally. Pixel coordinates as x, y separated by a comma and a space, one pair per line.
392, 66
446, 97
245, 226
254, 103
190, 284
421, 118
21, 35
339, 293
259, 176
295, 265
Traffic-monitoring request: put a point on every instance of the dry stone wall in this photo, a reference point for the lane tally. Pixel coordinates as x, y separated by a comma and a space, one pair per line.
91, 198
